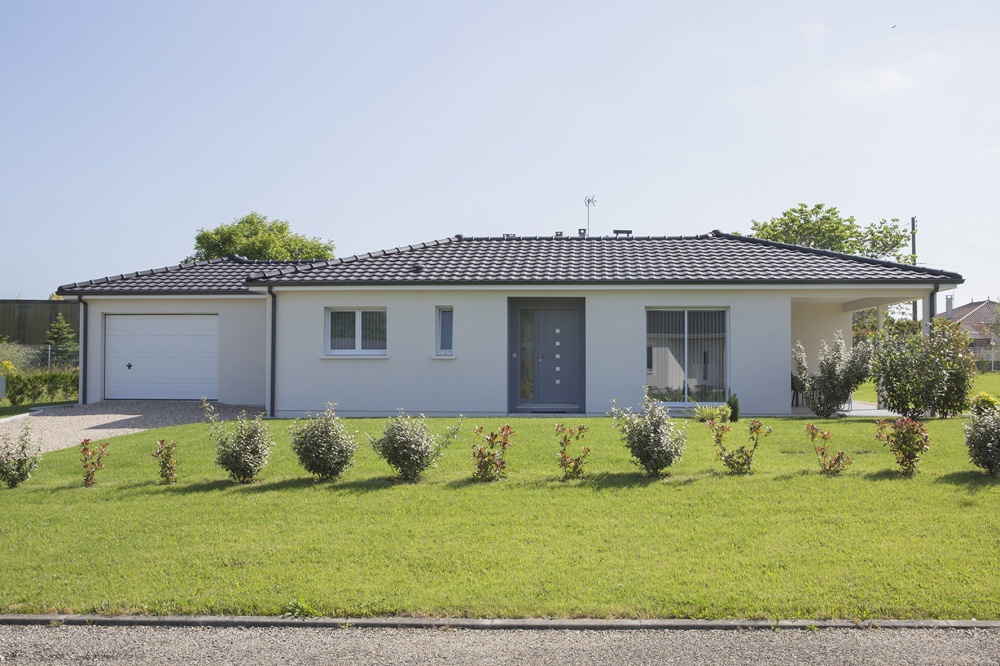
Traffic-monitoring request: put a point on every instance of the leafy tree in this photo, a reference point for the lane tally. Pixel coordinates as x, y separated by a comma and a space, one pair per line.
916, 374
255, 237
826, 229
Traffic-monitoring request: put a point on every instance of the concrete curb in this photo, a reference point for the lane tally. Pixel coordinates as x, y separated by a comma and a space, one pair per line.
479, 624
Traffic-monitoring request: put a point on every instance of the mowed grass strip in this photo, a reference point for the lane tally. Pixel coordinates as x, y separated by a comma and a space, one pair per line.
784, 542
985, 381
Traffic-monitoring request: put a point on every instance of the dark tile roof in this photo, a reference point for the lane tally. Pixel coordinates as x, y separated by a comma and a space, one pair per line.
216, 276
716, 258
711, 258
977, 312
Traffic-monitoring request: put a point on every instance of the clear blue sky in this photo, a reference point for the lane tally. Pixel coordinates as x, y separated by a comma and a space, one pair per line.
127, 126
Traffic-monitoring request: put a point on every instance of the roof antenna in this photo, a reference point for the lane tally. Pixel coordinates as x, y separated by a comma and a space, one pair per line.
588, 202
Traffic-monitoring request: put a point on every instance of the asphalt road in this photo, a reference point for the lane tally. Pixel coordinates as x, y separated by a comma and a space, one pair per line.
200, 645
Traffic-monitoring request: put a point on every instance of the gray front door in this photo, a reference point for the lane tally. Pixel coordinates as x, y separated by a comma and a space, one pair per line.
547, 358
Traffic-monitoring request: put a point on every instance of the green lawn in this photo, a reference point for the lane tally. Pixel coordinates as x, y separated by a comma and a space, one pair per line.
987, 381
785, 542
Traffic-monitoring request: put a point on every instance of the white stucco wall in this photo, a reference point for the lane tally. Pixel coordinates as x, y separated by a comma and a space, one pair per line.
242, 349
475, 380
813, 323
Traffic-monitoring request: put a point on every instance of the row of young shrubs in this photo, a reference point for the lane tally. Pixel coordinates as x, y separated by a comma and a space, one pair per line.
42, 386
326, 448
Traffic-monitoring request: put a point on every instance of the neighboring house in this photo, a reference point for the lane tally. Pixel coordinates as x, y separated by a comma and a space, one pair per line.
981, 321
487, 326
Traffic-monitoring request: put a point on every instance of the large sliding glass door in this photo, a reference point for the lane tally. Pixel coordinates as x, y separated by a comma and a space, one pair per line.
686, 355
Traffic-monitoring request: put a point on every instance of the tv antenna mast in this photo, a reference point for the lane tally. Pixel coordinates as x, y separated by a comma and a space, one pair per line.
588, 202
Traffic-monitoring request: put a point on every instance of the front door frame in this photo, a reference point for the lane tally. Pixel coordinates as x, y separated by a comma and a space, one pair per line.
514, 307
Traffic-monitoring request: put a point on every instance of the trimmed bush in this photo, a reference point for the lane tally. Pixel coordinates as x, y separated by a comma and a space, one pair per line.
19, 458
323, 445
243, 450
983, 403
982, 437
42, 386
654, 440
409, 447
733, 402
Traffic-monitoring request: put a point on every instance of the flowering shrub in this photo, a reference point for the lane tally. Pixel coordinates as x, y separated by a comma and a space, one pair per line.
166, 455
572, 467
907, 440
739, 460
409, 447
829, 465
491, 455
654, 440
242, 451
982, 437
840, 373
18, 459
91, 460
323, 445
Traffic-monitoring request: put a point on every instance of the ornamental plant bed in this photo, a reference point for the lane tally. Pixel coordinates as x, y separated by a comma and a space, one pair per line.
785, 542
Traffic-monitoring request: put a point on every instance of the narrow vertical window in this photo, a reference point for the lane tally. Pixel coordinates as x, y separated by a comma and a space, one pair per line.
445, 322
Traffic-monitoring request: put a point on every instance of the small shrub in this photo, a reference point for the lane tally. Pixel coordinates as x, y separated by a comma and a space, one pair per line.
166, 455
717, 413
91, 460
739, 460
572, 467
654, 440
829, 465
409, 447
982, 437
733, 402
243, 450
18, 459
323, 445
491, 455
983, 403
907, 440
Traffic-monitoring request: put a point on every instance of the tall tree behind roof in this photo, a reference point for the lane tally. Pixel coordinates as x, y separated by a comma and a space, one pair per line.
255, 237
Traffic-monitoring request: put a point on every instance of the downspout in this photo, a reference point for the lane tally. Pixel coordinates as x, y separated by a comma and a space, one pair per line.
931, 308
274, 329
84, 349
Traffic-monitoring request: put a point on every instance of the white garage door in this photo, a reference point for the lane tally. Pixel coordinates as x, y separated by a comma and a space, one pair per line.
167, 357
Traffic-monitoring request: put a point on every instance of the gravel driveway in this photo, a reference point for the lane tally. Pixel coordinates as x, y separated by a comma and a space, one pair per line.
399, 647
64, 427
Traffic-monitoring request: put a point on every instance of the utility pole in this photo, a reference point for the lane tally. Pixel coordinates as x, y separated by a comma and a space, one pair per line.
913, 251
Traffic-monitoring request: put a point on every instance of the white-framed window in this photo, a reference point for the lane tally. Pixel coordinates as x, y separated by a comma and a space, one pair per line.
356, 332
444, 345
686, 354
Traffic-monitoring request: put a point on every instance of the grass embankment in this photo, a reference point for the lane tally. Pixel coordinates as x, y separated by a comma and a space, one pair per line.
785, 542
987, 381
6, 409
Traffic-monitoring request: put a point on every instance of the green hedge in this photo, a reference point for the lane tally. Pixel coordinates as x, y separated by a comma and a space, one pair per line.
42, 386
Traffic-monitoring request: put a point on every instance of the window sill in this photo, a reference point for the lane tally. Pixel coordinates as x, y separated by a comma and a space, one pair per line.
353, 357
441, 357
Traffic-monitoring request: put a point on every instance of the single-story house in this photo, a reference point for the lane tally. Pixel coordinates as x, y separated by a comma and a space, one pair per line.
981, 320
484, 326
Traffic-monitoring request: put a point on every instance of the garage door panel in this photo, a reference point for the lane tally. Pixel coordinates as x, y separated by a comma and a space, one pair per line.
171, 356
